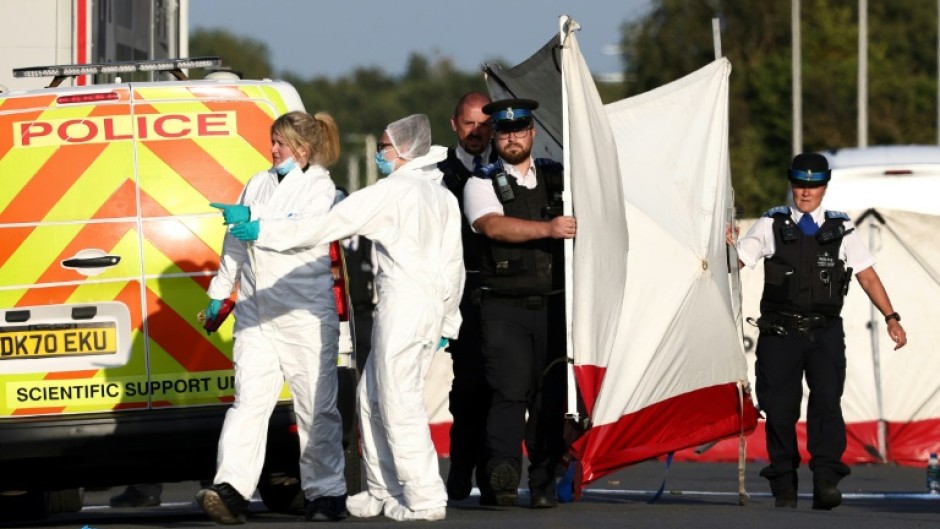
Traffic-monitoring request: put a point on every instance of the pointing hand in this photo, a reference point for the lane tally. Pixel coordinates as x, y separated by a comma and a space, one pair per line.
233, 213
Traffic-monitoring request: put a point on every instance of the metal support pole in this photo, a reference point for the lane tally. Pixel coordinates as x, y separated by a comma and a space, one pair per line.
874, 328
797, 83
716, 36
863, 73
372, 173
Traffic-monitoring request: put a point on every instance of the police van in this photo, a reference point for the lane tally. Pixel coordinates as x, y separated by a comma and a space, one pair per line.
107, 246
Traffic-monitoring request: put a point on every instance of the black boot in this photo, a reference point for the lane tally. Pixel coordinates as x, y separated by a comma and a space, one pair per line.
327, 509
459, 481
223, 504
504, 482
543, 495
785, 498
825, 495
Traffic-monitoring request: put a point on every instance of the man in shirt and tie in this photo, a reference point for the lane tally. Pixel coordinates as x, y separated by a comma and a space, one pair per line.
469, 395
808, 265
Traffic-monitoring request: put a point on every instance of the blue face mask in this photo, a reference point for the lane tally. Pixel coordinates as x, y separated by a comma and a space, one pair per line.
285, 167
385, 166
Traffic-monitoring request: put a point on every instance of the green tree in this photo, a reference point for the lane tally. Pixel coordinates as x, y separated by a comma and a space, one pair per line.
362, 102
368, 99
245, 55
675, 39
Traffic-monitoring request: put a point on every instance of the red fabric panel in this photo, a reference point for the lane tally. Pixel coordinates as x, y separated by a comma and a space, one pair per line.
684, 421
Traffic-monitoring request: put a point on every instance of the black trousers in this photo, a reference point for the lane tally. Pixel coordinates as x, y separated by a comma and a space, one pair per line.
362, 321
469, 394
781, 364
524, 351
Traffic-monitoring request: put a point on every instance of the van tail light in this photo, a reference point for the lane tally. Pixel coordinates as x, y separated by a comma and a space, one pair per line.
340, 288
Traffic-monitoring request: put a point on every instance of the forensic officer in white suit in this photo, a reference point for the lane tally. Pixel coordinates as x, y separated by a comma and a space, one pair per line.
414, 222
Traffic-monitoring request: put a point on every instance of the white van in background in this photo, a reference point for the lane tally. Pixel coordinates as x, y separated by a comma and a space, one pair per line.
896, 177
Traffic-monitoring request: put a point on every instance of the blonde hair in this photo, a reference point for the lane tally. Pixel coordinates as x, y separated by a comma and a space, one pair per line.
318, 135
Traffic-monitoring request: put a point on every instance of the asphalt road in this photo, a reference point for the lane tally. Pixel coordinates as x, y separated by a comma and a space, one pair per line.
697, 495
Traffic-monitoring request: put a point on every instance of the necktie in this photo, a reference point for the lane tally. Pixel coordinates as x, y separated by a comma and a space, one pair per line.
807, 225
477, 161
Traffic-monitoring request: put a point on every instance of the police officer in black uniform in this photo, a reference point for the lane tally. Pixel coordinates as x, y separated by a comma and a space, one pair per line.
469, 394
361, 278
809, 257
515, 204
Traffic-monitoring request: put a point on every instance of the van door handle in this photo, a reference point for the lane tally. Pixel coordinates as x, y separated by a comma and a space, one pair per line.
92, 262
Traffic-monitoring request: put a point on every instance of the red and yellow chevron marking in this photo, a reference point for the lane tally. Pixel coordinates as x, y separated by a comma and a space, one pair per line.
71, 164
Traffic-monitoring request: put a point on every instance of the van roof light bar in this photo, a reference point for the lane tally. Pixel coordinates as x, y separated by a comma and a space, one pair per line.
61, 72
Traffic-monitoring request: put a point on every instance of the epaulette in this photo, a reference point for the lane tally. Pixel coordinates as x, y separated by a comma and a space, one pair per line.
487, 171
837, 215
779, 210
549, 164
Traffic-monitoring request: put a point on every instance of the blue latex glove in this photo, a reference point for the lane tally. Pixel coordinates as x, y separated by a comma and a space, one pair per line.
443, 343
246, 231
233, 213
212, 311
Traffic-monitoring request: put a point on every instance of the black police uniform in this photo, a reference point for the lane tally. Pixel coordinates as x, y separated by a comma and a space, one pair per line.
469, 394
801, 331
523, 333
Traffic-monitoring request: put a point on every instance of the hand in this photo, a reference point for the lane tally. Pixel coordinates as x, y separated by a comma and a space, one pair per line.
246, 231
731, 234
564, 227
212, 311
442, 343
897, 334
233, 213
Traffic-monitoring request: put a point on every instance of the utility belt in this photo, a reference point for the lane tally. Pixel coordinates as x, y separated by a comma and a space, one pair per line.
525, 301
782, 323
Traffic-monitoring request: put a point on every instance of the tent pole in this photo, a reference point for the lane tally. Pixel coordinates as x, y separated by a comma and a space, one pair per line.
716, 36
742, 448
873, 327
572, 405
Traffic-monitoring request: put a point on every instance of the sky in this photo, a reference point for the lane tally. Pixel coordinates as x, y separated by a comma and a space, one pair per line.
332, 38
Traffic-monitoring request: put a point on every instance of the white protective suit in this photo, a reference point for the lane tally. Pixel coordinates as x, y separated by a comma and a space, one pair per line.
414, 222
286, 327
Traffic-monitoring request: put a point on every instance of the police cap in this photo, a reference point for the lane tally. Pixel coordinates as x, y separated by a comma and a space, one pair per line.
810, 168
511, 114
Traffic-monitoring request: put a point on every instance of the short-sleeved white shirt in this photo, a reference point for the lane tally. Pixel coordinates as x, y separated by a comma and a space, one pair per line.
479, 197
758, 243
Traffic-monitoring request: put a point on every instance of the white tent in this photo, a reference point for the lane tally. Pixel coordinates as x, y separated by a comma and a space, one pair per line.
657, 354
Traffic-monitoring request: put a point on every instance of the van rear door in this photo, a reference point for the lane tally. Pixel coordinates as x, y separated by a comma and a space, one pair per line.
70, 288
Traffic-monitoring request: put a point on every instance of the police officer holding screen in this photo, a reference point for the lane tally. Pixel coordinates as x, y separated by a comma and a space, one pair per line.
515, 204
809, 257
